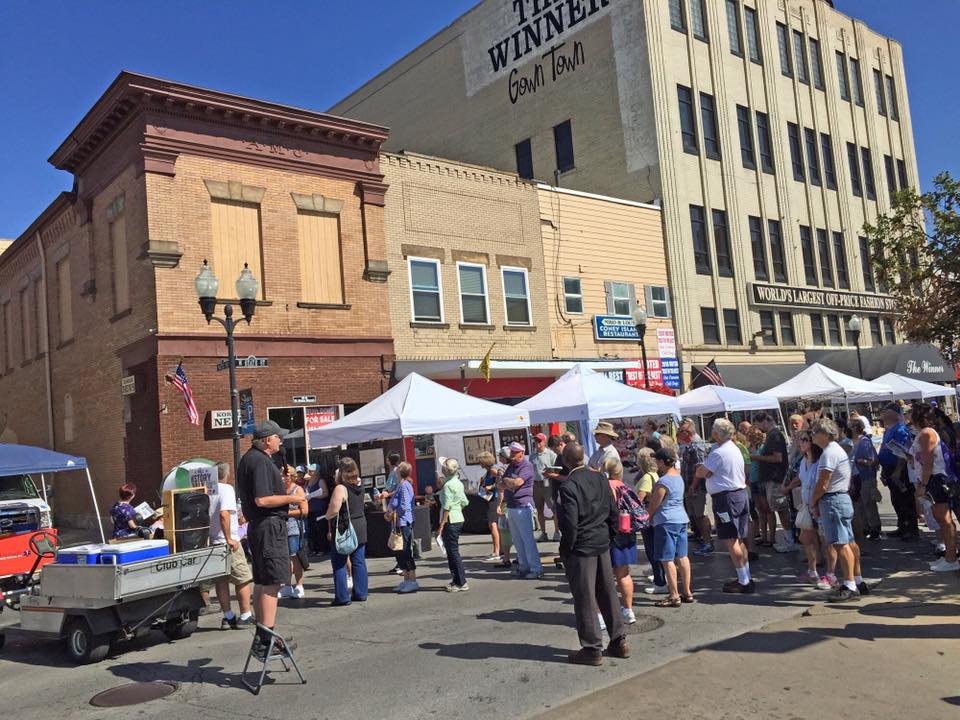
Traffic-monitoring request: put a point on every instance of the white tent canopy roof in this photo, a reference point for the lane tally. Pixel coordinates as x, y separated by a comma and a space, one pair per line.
581, 394
719, 398
418, 406
905, 388
819, 381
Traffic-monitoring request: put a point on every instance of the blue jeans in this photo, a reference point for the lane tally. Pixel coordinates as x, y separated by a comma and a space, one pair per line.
451, 542
521, 530
659, 578
358, 561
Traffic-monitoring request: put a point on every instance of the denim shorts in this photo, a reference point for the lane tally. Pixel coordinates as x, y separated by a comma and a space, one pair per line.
836, 518
293, 544
670, 542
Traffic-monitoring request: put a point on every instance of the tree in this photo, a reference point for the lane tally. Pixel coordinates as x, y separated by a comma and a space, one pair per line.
915, 251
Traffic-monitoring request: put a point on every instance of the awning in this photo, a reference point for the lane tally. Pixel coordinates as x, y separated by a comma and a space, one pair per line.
719, 398
909, 389
819, 381
21, 459
757, 378
918, 362
450, 369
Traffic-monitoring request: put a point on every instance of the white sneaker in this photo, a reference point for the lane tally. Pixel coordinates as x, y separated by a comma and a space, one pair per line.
410, 586
399, 587
349, 583
603, 625
491, 558
657, 590
298, 592
627, 614
649, 578
944, 566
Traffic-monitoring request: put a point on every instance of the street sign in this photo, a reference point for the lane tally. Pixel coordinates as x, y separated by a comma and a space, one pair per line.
221, 420
614, 327
251, 361
128, 385
304, 399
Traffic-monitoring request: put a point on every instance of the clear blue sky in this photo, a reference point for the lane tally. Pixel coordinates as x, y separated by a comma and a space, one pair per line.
57, 57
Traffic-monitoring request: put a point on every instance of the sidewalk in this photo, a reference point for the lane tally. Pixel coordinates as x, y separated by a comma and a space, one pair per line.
892, 653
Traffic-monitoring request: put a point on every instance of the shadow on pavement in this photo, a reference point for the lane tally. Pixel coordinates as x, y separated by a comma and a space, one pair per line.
759, 642
876, 631
910, 609
198, 671
529, 616
506, 651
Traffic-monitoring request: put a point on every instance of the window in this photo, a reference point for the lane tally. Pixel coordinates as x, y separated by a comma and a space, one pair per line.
765, 143
688, 120
823, 251
787, 335
784, 41
68, 420
701, 248
118, 252
892, 99
768, 328
563, 145
889, 335
678, 20
731, 327
3, 340
840, 257
620, 297
902, 174
829, 167
878, 89
321, 266
777, 251
856, 82
816, 64
891, 178
698, 20
524, 153
842, 80
722, 242
747, 154
733, 27
711, 330
876, 339
868, 180
64, 300
10, 350
516, 296
708, 116
236, 239
39, 304
809, 264
854, 161
425, 294
833, 327
866, 265
28, 348
753, 35
473, 294
800, 57
572, 295
760, 271
813, 155
796, 153
658, 301
817, 331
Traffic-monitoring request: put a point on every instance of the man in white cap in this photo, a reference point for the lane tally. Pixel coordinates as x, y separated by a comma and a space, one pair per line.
604, 434
543, 458
517, 487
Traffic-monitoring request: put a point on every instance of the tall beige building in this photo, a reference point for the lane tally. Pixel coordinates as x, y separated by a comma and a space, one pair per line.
768, 130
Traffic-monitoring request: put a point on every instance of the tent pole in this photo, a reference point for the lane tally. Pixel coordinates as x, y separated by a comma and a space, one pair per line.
783, 422
43, 484
96, 508
702, 431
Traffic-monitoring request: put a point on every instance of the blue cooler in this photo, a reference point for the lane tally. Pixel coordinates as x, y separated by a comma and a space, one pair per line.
131, 552
80, 554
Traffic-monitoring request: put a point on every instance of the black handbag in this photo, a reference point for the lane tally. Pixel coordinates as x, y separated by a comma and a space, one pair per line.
302, 554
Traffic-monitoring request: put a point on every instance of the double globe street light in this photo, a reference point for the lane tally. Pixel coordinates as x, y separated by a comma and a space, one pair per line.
247, 287
640, 322
855, 325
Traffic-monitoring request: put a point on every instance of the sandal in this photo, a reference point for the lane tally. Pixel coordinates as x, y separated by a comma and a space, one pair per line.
673, 602
687, 598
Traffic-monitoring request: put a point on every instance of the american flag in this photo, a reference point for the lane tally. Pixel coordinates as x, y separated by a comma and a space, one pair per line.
709, 374
179, 379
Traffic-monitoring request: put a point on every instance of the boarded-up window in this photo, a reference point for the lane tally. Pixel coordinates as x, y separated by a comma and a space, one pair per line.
65, 300
39, 304
236, 240
27, 323
10, 334
121, 275
3, 340
68, 421
321, 274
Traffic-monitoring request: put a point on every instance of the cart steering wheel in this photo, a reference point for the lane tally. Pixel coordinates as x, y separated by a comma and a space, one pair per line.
44, 544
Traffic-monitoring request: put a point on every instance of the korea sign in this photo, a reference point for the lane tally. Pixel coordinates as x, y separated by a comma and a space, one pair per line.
614, 327
128, 385
221, 420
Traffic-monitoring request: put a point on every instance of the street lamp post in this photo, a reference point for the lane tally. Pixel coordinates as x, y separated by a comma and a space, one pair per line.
640, 321
855, 325
206, 285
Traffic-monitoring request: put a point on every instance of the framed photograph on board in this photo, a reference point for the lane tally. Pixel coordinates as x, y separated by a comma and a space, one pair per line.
379, 481
510, 436
473, 445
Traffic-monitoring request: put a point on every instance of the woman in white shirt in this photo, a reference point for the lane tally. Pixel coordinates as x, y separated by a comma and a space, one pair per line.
806, 479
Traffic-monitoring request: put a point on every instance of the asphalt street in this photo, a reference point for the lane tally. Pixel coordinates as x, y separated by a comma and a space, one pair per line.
500, 647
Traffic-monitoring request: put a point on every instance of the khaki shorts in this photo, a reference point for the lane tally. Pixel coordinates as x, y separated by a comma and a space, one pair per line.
542, 495
775, 497
240, 573
696, 504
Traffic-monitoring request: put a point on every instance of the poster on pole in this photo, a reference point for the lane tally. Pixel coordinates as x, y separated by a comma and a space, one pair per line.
248, 416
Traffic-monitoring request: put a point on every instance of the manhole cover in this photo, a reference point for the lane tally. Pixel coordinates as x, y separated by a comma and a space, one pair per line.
645, 624
134, 694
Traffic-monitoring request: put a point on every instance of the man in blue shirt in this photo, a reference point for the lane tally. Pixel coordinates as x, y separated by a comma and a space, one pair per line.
517, 487
893, 455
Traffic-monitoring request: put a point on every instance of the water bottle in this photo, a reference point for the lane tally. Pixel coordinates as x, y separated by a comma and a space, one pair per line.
625, 525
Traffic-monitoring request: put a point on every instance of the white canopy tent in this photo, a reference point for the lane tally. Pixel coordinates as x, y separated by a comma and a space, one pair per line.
905, 388
721, 399
819, 381
583, 395
418, 406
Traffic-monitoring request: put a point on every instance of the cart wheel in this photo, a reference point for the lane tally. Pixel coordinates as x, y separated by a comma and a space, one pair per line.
82, 645
179, 629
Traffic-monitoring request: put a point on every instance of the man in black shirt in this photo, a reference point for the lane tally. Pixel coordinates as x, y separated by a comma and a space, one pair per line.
264, 500
773, 464
586, 515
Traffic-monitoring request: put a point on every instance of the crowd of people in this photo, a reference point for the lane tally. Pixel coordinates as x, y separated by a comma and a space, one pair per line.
819, 482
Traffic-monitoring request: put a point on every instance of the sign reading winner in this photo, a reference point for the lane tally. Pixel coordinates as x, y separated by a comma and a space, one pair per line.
799, 297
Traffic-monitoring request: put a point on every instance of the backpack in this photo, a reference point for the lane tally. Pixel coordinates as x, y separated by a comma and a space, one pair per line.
950, 461
628, 502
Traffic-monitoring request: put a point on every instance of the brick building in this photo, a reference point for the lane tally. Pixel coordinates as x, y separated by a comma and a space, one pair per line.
100, 287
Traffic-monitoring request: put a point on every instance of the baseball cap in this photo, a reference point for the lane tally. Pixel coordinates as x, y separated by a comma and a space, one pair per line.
666, 456
516, 447
541, 437
504, 451
267, 428
894, 408
301, 469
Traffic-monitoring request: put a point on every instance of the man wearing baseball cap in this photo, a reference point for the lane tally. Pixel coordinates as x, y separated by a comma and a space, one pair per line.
264, 501
517, 487
543, 458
